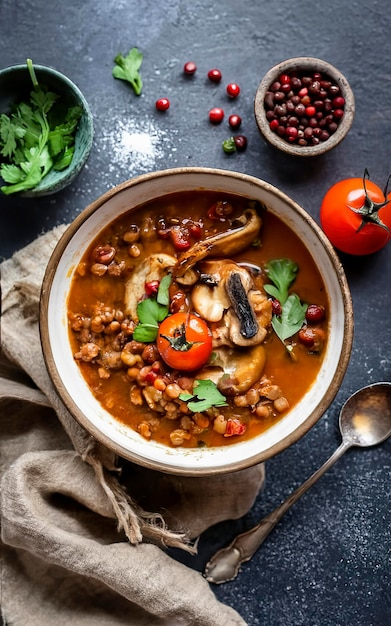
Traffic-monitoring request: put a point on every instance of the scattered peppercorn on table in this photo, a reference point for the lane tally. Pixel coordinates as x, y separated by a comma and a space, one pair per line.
327, 562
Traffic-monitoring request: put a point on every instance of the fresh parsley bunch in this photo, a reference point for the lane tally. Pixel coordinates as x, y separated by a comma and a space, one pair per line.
33, 140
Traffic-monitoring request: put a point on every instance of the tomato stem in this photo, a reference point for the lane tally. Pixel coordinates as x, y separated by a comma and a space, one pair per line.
179, 341
370, 209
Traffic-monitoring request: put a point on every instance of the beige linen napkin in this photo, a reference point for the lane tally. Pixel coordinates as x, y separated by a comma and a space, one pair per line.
81, 542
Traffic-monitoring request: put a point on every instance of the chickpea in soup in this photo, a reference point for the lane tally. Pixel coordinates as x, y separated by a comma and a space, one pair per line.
197, 319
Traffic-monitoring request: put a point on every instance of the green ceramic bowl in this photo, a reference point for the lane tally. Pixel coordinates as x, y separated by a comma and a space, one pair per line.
15, 87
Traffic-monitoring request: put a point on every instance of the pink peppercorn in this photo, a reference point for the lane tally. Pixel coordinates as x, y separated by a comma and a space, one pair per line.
304, 108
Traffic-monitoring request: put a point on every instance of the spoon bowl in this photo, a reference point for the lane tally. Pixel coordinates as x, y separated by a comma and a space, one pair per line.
365, 418
364, 421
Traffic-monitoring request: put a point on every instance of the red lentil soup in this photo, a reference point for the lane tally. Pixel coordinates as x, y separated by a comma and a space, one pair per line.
176, 330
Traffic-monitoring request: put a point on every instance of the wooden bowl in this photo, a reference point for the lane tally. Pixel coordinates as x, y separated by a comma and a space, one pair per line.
306, 65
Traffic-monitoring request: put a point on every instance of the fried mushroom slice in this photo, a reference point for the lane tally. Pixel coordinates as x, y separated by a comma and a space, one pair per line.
210, 297
225, 296
235, 370
226, 243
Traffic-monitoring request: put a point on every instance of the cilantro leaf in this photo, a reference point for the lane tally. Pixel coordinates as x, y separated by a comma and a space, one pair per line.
62, 135
31, 171
126, 68
64, 159
24, 119
151, 311
43, 100
11, 173
146, 333
205, 395
282, 272
291, 319
10, 132
163, 295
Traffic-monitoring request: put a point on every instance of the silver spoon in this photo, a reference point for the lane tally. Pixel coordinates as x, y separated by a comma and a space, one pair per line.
364, 420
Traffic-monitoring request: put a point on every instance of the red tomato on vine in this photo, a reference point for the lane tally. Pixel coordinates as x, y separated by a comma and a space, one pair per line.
184, 341
355, 214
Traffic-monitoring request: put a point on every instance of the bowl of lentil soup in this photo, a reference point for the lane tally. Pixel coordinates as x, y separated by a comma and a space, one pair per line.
196, 321
304, 106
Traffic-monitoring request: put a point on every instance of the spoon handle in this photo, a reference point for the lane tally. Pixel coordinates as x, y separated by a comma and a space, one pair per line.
225, 563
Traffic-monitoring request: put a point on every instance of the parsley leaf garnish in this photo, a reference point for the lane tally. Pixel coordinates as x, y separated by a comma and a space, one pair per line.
205, 395
127, 68
163, 294
31, 143
283, 272
151, 311
291, 319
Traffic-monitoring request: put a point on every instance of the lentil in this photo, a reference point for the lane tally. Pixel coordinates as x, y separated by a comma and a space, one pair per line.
132, 235
220, 424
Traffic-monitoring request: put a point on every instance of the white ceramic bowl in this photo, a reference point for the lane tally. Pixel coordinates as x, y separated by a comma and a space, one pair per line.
71, 385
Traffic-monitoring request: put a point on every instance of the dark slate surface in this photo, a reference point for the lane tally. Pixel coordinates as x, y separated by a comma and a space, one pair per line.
328, 562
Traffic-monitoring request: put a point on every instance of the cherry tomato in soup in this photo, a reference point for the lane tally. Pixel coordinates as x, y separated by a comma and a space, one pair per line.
355, 214
184, 341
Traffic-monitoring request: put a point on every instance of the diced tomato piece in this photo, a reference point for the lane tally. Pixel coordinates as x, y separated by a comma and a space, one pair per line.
179, 238
195, 230
220, 210
235, 427
212, 212
151, 377
151, 287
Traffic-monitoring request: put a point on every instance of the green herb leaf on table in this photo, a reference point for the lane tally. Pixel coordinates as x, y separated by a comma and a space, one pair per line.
205, 395
127, 69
